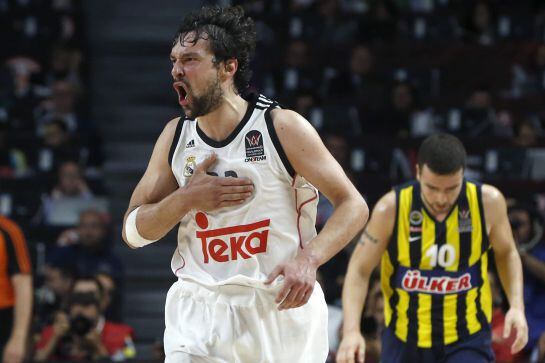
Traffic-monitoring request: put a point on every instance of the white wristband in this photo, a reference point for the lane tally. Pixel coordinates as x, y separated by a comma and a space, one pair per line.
131, 232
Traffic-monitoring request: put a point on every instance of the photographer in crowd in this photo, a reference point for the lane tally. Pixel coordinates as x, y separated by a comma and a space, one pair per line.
82, 334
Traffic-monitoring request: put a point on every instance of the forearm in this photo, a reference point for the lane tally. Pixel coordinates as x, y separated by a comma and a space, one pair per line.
156, 219
509, 269
535, 266
346, 221
353, 297
23, 306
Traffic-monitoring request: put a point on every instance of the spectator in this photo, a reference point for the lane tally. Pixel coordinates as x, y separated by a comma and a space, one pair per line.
296, 71
70, 186
381, 24
58, 146
63, 105
111, 298
89, 285
397, 118
52, 296
529, 77
15, 292
479, 117
360, 81
528, 132
528, 233
65, 63
329, 26
24, 96
82, 334
480, 23
90, 251
13, 161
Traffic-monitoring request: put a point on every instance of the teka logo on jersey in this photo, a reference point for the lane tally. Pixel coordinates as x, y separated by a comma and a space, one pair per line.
231, 243
254, 146
412, 281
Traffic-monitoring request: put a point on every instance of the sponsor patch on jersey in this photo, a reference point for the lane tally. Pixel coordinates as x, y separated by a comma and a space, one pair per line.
413, 281
464, 221
232, 243
255, 151
190, 144
437, 281
190, 165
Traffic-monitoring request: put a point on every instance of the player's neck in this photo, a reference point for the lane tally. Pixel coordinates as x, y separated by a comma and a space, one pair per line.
221, 122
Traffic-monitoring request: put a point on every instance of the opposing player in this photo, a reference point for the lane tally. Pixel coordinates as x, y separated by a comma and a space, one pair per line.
432, 237
239, 175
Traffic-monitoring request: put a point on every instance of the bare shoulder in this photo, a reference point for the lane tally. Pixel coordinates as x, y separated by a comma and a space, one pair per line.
290, 122
386, 206
492, 197
170, 127
495, 207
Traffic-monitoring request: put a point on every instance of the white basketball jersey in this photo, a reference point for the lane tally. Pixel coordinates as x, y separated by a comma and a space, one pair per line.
251, 239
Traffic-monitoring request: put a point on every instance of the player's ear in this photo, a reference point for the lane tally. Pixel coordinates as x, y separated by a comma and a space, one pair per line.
418, 172
230, 66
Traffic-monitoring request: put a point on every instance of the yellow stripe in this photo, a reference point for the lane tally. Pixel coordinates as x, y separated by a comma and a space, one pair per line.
473, 324
405, 201
403, 259
424, 300
424, 320
386, 270
476, 234
486, 294
402, 322
450, 317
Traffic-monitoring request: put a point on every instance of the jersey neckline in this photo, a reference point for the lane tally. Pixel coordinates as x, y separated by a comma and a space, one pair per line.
251, 98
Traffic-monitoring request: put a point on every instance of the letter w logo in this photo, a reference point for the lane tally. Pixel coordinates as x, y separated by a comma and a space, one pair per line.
254, 139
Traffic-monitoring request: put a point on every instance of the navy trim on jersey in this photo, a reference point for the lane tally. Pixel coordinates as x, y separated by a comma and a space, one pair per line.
175, 140
276, 142
252, 98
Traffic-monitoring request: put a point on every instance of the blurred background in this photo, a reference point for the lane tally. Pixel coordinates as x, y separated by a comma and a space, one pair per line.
85, 90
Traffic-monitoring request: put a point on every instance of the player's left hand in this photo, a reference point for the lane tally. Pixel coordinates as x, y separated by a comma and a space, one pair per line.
299, 278
515, 319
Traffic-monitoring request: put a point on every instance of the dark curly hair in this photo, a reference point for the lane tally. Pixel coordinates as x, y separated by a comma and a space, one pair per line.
231, 35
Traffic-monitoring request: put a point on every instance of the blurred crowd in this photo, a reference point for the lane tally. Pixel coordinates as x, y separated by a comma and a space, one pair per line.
373, 76
52, 187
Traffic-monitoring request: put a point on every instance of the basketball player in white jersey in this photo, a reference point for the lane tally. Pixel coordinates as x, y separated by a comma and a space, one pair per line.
239, 176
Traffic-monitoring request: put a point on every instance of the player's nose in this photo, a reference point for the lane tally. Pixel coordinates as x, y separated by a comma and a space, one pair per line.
177, 71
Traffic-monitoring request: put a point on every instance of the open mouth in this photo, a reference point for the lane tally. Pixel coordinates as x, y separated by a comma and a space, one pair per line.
182, 90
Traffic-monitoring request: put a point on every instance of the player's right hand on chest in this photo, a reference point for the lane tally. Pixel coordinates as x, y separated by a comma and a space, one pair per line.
212, 192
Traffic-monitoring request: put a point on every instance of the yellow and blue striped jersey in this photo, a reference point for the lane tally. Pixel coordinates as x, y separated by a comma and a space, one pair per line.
434, 274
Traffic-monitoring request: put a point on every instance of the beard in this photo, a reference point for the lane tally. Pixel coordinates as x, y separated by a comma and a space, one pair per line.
208, 102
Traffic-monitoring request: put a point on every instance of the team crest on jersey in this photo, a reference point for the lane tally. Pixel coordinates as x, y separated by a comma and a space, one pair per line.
255, 151
190, 166
416, 218
464, 221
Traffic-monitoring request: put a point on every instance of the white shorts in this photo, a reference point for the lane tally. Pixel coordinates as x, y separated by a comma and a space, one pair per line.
235, 323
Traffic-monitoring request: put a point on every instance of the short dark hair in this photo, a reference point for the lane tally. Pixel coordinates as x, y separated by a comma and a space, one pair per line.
443, 154
83, 299
231, 35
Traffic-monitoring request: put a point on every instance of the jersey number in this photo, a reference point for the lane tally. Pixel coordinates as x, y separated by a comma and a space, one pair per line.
443, 256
